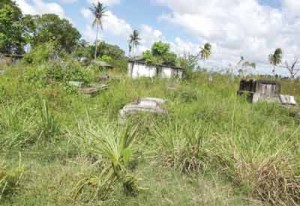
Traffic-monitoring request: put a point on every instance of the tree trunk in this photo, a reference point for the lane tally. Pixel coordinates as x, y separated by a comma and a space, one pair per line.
96, 42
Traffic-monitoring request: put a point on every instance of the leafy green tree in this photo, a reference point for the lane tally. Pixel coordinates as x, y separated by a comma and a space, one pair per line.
205, 51
275, 58
84, 52
98, 11
11, 28
134, 40
114, 51
188, 62
51, 28
160, 48
160, 54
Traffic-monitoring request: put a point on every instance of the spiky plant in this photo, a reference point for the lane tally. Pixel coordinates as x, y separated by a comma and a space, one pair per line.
113, 145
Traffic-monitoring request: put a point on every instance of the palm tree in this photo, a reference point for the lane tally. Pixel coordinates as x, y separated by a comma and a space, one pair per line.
134, 40
205, 51
243, 65
98, 11
241, 60
275, 58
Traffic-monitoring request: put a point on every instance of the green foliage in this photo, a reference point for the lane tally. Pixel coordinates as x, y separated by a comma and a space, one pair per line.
40, 54
58, 71
113, 51
188, 62
212, 148
110, 145
51, 28
160, 48
134, 40
48, 125
205, 51
275, 58
106, 58
9, 179
160, 54
83, 51
99, 11
11, 28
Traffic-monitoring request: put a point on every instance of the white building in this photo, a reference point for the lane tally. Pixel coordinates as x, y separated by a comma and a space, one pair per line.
139, 68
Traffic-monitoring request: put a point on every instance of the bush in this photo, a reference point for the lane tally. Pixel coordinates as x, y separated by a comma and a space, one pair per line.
40, 54
58, 72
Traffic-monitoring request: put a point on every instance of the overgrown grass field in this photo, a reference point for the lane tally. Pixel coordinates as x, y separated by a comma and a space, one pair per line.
212, 148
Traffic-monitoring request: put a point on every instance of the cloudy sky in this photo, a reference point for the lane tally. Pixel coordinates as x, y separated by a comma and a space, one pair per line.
249, 28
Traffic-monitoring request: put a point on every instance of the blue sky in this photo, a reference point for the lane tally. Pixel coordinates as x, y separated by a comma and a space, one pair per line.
249, 28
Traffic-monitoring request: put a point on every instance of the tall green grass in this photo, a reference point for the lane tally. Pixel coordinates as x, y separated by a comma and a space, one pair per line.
208, 132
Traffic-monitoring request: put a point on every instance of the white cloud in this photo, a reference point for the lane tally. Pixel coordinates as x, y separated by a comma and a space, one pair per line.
183, 47
292, 6
105, 2
238, 28
86, 13
112, 25
148, 36
68, 1
40, 7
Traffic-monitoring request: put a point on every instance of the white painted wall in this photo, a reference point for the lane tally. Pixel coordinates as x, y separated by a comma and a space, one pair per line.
141, 70
137, 70
166, 72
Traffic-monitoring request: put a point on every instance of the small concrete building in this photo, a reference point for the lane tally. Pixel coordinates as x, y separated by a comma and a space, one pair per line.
265, 90
138, 68
260, 90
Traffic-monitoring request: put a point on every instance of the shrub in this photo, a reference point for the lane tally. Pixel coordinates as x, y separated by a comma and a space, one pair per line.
40, 54
58, 71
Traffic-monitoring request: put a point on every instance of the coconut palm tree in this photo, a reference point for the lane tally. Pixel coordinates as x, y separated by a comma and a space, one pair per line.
134, 40
205, 51
275, 58
241, 60
98, 11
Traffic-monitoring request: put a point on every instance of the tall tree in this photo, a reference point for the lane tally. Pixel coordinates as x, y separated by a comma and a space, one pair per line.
160, 54
98, 11
51, 28
275, 58
205, 52
134, 41
11, 28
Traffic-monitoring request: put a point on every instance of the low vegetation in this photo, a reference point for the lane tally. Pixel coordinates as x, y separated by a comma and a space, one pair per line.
61, 147
212, 148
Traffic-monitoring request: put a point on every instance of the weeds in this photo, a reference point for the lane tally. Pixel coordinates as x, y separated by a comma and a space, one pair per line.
9, 178
48, 125
253, 149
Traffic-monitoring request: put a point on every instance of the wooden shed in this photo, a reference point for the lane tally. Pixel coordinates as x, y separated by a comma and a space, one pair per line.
260, 90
